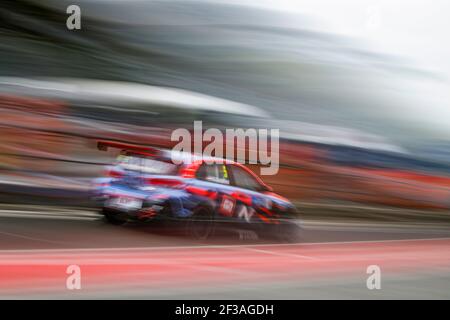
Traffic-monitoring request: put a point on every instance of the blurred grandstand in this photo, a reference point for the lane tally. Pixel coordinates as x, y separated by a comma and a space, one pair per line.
166, 64
48, 138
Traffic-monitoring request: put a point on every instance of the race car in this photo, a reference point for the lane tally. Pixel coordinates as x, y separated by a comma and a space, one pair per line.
145, 185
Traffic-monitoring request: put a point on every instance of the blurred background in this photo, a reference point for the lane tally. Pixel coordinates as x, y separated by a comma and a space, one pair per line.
358, 89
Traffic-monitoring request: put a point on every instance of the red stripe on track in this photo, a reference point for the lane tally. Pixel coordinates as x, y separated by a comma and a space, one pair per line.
188, 267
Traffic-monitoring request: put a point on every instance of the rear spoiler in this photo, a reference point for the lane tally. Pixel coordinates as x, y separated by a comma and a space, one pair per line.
103, 145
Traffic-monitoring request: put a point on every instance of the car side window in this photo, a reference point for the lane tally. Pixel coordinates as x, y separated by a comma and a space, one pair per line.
245, 180
217, 173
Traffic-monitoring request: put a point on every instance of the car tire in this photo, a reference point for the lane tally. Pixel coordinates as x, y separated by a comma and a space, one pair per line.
201, 225
112, 217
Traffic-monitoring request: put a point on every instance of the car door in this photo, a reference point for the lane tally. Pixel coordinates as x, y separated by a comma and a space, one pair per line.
251, 203
215, 178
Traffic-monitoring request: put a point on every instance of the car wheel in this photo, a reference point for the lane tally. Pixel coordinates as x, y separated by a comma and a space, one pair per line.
201, 224
113, 217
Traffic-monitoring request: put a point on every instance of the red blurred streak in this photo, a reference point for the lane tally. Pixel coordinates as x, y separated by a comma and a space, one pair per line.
242, 197
114, 174
105, 144
164, 182
265, 219
202, 192
266, 211
189, 171
175, 267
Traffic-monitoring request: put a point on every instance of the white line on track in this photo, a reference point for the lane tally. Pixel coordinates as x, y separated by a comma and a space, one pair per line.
274, 253
59, 212
51, 217
16, 235
28, 214
270, 245
86, 215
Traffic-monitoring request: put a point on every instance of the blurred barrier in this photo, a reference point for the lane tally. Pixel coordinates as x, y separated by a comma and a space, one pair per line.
328, 183
42, 143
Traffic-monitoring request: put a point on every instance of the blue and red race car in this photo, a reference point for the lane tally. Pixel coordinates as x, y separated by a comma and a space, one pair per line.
144, 185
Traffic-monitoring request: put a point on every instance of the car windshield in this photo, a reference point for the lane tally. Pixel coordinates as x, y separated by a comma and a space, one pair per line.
146, 165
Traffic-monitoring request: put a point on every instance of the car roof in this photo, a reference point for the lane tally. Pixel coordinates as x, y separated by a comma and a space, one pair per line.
189, 158
185, 158
179, 156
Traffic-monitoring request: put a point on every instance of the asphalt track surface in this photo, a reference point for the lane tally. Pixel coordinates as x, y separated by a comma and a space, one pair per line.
38, 243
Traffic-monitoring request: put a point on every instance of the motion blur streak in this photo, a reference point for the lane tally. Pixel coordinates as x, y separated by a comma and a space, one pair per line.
358, 89
123, 270
165, 64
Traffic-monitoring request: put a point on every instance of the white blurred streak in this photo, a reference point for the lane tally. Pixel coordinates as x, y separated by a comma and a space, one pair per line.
128, 93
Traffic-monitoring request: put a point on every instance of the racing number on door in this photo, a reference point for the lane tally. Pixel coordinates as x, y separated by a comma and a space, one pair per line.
227, 206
